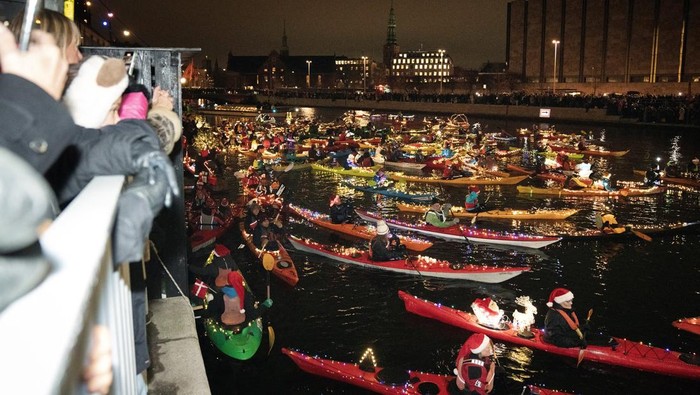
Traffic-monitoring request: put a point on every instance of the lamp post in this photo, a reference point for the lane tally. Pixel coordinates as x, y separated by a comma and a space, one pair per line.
441, 66
554, 83
308, 74
364, 74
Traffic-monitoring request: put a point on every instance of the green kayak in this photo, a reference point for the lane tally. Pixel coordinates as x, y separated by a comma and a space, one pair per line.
239, 342
355, 171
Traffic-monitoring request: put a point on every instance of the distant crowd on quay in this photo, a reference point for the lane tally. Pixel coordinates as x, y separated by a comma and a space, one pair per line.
662, 109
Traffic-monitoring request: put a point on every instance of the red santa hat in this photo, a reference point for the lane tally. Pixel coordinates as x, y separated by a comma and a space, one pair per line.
220, 250
235, 280
559, 295
478, 342
474, 188
487, 305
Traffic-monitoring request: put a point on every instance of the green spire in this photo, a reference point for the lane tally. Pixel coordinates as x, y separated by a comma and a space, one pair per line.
391, 28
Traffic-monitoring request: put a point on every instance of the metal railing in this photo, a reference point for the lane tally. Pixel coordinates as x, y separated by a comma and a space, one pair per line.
45, 335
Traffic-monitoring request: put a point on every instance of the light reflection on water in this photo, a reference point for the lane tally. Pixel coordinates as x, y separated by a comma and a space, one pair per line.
635, 288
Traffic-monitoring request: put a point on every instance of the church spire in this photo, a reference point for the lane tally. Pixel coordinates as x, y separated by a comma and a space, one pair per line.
285, 48
391, 48
391, 27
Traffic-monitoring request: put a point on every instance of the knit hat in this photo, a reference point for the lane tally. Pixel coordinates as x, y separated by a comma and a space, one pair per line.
98, 85
474, 188
382, 228
478, 342
220, 250
235, 280
559, 295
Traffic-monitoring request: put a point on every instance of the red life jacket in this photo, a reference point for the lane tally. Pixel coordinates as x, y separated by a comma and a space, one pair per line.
477, 384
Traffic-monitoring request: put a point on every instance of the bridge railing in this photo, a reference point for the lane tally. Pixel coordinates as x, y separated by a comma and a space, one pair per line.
45, 336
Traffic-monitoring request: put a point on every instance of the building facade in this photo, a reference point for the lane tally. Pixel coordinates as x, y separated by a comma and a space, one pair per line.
357, 73
645, 45
425, 67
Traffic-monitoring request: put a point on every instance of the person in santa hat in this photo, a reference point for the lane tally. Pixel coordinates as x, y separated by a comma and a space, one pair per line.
476, 367
561, 325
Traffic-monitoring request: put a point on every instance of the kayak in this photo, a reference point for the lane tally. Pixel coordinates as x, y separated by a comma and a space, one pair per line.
203, 238
284, 268
282, 167
354, 171
237, 341
686, 181
405, 165
463, 234
459, 212
366, 232
561, 178
240, 342
458, 181
592, 152
630, 231
590, 192
391, 192
691, 325
385, 380
628, 354
418, 266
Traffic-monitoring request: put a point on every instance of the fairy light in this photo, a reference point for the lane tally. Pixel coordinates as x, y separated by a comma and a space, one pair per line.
369, 355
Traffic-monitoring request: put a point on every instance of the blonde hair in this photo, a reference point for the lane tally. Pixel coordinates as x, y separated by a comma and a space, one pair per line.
63, 30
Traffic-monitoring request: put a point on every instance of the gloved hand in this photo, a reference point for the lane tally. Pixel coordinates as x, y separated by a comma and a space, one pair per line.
267, 303
156, 170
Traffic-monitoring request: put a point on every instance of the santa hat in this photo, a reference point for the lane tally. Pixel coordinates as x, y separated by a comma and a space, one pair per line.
235, 280
98, 85
478, 342
220, 250
487, 305
474, 188
559, 295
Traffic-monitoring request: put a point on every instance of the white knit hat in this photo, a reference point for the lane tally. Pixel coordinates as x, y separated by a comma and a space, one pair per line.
382, 228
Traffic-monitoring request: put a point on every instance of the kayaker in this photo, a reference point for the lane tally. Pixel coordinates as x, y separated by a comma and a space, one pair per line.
434, 216
380, 180
561, 325
607, 223
384, 247
471, 201
341, 212
652, 176
476, 369
239, 307
267, 233
252, 214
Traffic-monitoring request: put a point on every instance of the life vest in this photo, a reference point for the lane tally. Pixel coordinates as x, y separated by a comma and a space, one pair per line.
440, 215
572, 322
471, 201
232, 314
477, 384
206, 222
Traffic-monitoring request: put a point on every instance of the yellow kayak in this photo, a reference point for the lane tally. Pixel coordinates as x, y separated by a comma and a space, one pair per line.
458, 181
459, 212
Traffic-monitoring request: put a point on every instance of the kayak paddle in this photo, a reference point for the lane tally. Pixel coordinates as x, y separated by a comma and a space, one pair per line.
268, 262
583, 350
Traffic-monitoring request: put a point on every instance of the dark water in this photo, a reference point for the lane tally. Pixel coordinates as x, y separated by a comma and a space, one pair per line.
635, 288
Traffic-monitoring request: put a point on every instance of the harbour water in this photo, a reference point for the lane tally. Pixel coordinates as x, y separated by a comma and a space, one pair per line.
635, 288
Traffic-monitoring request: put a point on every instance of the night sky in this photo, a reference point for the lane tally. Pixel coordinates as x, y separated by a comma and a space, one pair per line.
472, 31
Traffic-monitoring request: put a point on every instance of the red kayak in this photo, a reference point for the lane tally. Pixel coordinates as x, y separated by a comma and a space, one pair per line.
464, 234
417, 265
384, 380
691, 325
635, 355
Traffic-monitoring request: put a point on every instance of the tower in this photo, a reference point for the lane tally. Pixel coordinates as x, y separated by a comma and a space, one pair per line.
391, 48
284, 51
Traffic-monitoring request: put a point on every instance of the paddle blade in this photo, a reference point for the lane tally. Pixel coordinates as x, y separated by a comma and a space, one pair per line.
474, 218
580, 356
289, 167
271, 338
268, 262
641, 235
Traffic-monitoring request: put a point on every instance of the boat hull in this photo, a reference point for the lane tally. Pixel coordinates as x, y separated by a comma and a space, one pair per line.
284, 267
507, 214
587, 192
458, 181
691, 325
628, 354
440, 269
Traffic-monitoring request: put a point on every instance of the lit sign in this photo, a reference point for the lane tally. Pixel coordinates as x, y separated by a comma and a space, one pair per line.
544, 112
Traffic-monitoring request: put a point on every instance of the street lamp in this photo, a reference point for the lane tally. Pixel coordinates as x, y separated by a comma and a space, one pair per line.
442, 67
308, 74
364, 74
554, 83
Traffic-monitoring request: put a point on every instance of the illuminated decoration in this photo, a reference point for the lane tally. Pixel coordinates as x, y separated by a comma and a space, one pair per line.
368, 362
488, 314
523, 321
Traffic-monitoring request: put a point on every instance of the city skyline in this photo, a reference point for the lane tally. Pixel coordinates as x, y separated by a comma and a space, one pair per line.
472, 32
